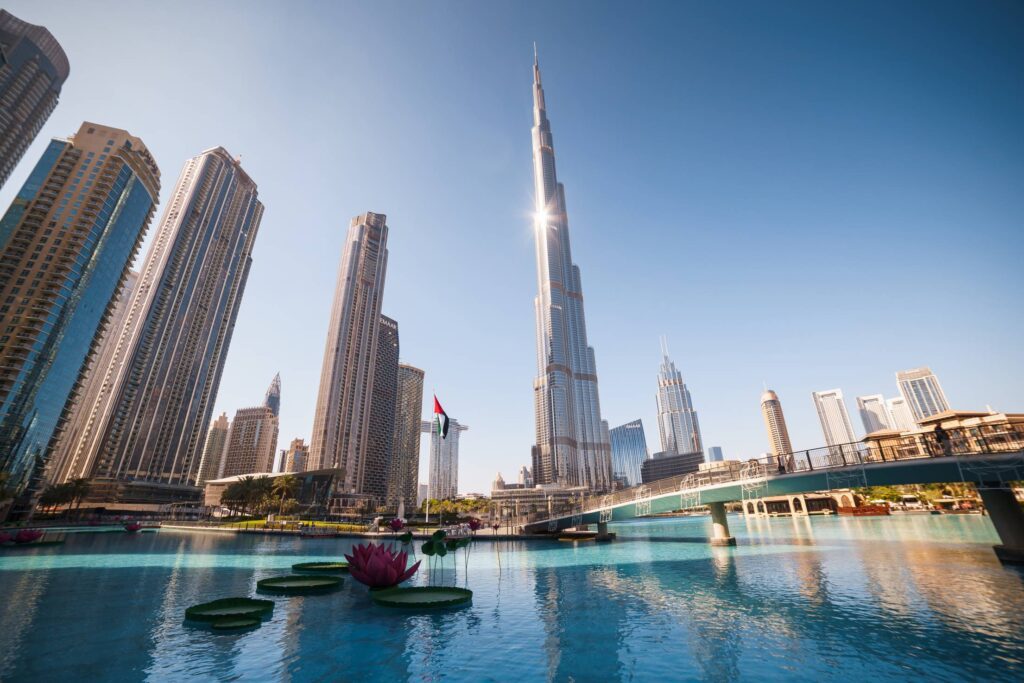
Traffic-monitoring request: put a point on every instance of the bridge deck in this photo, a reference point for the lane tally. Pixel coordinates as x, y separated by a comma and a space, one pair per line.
851, 465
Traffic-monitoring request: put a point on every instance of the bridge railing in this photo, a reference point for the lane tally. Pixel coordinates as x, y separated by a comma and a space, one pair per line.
967, 441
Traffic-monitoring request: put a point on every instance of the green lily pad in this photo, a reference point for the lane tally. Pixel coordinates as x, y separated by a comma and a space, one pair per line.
229, 608
234, 624
428, 548
422, 597
298, 584
438, 535
463, 542
452, 544
405, 538
321, 567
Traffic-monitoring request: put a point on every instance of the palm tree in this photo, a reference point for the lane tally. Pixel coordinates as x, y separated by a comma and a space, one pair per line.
284, 487
78, 489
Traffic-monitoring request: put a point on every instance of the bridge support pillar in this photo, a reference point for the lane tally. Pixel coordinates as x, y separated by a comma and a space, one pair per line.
602, 532
720, 525
1007, 518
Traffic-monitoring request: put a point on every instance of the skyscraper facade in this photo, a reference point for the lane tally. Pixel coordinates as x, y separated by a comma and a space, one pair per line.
252, 443
66, 244
33, 67
835, 420
62, 467
874, 414
294, 459
341, 422
405, 461
381, 428
677, 420
444, 459
215, 449
525, 477
629, 450
272, 399
715, 454
921, 390
775, 423
571, 449
899, 411
150, 422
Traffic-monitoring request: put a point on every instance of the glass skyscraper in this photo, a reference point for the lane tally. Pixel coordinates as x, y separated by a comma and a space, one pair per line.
629, 450
66, 244
150, 423
677, 420
33, 67
572, 447
61, 467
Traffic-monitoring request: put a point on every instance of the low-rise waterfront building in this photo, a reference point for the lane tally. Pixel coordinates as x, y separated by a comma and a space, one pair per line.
515, 500
664, 465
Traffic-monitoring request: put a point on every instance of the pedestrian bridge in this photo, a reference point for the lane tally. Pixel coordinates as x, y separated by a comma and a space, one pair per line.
988, 460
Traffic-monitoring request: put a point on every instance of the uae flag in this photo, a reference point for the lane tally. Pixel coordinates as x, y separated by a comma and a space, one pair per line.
441, 417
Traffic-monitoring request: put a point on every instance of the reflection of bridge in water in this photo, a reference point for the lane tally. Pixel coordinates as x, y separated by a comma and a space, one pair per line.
989, 460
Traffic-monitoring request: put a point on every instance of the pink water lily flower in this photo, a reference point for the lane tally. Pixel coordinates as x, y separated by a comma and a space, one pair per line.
397, 524
475, 524
377, 567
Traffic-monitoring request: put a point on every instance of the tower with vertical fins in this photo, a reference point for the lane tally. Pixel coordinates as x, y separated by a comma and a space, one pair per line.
572, 447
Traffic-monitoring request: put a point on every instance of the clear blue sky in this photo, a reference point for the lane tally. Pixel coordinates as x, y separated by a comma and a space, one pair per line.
809, 194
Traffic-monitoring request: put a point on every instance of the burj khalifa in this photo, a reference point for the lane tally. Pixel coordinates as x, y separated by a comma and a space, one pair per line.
573, 447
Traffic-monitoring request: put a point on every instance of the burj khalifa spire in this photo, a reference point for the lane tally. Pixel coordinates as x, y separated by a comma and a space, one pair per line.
572, 446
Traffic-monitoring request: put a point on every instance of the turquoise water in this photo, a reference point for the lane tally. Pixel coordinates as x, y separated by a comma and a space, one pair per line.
912, 597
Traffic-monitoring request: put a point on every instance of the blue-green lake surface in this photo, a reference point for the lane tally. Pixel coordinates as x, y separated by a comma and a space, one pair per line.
898, 598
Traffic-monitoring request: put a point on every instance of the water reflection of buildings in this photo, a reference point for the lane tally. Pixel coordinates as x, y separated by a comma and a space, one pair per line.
17, 614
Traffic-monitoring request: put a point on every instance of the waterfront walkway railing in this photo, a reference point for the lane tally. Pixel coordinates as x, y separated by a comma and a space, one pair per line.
967, 441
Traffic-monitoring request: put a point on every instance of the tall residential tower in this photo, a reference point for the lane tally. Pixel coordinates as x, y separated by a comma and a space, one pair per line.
775, 423
444, 459
874, 414
252, 444
381, 428
66, 244
216, 446
835, 420
33, 67
921, 390
572, 449
405, 459
341, 425
150, 422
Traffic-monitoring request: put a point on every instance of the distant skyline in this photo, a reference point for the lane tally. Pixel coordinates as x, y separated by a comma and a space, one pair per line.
832, 189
